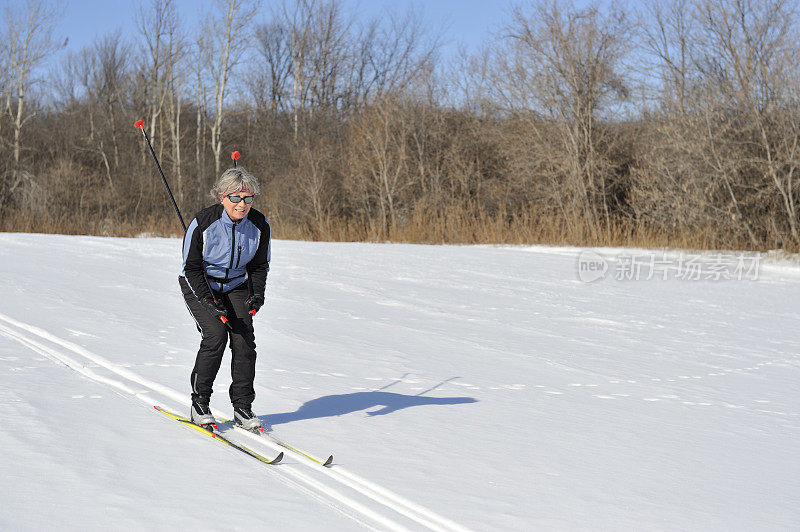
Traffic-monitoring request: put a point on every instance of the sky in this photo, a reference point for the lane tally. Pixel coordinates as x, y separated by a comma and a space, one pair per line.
461, 22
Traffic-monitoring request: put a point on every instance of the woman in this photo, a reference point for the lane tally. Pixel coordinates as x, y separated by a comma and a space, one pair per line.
226, 252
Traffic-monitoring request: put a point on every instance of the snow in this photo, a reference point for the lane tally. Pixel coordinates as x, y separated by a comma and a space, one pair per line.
459, 387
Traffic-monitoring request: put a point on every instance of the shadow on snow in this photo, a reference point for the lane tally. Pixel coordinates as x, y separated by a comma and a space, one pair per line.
338, 405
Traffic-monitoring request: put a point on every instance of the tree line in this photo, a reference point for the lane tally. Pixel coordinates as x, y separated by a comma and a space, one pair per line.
676, 124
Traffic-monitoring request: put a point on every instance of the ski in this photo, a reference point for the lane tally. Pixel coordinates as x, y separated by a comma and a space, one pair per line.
219, 437
328, 462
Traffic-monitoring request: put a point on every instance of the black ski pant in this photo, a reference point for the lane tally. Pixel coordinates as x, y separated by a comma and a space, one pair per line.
215, 337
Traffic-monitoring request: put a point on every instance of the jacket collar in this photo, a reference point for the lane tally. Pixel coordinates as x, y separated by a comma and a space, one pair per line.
226, 220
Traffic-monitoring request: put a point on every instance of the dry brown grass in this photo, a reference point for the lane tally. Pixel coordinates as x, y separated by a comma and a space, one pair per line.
451, 225
23, 222
459, 225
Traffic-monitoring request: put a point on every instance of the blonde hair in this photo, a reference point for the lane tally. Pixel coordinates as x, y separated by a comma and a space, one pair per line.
234, 180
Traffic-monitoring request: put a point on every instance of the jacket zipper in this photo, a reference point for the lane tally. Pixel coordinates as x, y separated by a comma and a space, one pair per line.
238, 255
233, 251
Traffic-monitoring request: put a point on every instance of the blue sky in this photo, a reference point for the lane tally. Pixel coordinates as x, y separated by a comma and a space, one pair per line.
465, 22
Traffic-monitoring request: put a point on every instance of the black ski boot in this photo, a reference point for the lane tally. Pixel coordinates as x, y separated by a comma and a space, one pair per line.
245, 418
201, 415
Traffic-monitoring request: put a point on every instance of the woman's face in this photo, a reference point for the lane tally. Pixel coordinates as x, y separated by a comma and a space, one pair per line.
237, 211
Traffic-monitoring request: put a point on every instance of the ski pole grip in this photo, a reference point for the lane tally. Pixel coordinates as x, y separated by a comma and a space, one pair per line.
139, 124
252, 312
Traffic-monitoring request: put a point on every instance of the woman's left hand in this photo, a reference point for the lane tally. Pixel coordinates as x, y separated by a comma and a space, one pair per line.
254, 303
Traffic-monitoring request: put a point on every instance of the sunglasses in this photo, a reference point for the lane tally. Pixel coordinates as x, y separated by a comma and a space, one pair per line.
237, 199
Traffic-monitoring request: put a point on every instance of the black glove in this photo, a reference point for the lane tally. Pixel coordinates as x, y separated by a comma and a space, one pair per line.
254, 303
214, 307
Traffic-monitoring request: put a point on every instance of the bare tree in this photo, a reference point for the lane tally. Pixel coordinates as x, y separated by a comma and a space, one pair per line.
227, 37
29, 41
379, 161
163, 50
563, 65
667, 30
5, 83
111, 78
200, 59
174, 105
727, 129
316, 161
749, 63
390, 58
268, 84
105, 72
315, 40
317, 58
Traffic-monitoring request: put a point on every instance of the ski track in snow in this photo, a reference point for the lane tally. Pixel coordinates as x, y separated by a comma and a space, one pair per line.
308, 484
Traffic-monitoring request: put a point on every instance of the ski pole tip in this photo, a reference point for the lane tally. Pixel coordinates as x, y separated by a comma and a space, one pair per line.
139, 124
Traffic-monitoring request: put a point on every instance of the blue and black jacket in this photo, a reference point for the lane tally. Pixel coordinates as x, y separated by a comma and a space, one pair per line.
225, 252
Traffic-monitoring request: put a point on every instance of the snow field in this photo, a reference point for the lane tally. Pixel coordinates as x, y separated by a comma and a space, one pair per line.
477, 387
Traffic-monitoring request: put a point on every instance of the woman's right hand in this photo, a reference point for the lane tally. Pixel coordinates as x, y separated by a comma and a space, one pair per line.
214, 307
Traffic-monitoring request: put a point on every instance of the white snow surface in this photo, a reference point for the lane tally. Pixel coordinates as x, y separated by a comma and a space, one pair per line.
458, 387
